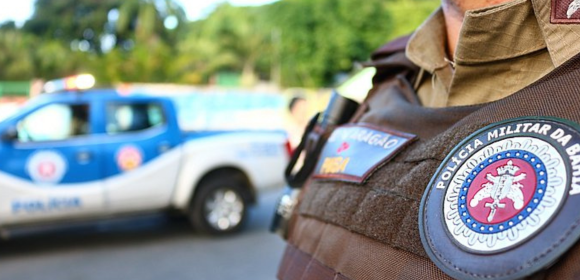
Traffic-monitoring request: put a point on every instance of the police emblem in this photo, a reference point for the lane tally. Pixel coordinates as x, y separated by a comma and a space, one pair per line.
129, 157
46, 167
503, 204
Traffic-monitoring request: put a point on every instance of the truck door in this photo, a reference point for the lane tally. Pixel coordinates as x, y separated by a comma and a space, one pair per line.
51, 169
142, 154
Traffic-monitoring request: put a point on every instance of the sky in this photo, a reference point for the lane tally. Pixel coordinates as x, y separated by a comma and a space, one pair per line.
20, 10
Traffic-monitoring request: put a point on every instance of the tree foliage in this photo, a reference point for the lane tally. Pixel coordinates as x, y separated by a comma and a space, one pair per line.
325, 37
292, 42
66, 20
16, 55
407, 15
232, 39
24, 56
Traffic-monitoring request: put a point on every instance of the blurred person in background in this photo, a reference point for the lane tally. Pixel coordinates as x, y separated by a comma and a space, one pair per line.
429, 181
299, 116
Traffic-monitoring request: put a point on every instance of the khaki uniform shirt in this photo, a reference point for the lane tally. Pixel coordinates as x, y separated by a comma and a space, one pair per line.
501, 50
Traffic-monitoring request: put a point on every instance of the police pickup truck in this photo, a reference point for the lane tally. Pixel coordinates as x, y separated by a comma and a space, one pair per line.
79, 155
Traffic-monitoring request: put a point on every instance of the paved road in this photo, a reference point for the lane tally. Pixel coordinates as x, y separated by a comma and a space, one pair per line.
146, 248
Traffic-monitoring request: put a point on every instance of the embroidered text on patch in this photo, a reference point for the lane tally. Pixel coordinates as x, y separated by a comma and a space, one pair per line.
353, 152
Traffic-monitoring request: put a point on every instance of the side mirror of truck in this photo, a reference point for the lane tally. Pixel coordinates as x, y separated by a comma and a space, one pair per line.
10, 134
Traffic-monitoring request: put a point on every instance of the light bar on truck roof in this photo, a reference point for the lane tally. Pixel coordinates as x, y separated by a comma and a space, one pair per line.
77, 82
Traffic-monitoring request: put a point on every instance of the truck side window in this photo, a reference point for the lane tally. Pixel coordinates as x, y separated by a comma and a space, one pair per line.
54, 122
123, 118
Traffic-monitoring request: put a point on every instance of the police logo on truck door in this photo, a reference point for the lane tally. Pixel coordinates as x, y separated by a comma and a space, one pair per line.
46, 167
509, 190
129, 157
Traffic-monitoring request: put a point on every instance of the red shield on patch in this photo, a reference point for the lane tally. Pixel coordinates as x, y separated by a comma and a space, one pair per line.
46, 169
565, 11
501, 191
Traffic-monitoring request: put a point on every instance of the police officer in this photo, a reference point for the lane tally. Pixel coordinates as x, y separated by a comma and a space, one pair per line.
464, 160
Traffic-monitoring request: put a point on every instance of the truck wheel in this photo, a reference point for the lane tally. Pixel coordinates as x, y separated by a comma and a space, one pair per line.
220, 206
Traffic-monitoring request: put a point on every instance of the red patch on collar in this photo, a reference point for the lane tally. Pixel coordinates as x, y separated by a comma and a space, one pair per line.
565, 11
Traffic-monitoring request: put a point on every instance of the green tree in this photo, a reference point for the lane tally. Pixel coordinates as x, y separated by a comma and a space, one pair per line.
16, 57
8, 25
54, 59
408, 14
24, 56
231, 39
146, 20
117, 40
306, 43
309, 41
144, 63
71, 20
325, 37
86, 23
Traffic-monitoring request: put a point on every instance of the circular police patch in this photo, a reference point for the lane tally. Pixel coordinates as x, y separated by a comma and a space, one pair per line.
129, 157
46, 167
503, 204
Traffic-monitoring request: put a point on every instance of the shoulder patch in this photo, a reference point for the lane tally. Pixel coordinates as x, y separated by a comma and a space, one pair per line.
353, 152
565, 11
503, 204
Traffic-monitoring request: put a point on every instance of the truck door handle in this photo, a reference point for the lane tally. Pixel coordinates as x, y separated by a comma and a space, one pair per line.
164, 147
84, 157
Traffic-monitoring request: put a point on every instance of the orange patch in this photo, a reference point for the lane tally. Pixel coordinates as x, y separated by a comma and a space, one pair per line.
129, 158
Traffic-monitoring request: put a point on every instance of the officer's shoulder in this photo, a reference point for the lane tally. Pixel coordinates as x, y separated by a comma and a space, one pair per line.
394, 46
390, 60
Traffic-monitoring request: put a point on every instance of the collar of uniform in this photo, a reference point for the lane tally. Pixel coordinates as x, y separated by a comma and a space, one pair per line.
499, 32
427, 47
561, 39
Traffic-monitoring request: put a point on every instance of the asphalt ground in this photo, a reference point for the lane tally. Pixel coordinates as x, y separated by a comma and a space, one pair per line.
149, 247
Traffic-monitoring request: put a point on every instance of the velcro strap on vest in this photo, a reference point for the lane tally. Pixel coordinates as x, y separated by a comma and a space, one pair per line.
297, 265
351, 256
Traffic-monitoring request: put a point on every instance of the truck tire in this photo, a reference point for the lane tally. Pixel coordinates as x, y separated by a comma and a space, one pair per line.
220, 205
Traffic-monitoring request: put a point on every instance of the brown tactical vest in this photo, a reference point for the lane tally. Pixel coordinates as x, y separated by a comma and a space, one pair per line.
343, 230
